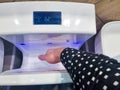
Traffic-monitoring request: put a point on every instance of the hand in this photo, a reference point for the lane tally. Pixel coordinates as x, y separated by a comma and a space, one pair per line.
52, 55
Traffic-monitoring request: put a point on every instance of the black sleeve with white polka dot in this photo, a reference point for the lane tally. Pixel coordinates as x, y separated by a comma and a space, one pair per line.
91, 71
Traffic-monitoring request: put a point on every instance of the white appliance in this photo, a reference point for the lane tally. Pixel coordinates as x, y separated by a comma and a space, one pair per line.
107, 40
35, 27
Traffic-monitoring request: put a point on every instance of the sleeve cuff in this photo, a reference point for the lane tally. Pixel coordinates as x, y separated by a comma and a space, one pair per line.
68, 54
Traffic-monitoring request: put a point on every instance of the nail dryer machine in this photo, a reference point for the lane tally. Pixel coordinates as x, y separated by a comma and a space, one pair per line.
35, 27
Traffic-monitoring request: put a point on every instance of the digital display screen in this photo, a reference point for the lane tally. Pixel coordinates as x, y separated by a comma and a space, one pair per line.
46, 18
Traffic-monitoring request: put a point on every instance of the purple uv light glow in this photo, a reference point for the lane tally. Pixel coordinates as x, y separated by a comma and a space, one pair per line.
22, 44
49, 43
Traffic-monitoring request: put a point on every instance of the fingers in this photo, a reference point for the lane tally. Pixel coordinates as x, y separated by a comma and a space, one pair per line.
52, 55
45, 56
42, 57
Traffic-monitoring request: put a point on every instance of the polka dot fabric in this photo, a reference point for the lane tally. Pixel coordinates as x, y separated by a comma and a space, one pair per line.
91, 71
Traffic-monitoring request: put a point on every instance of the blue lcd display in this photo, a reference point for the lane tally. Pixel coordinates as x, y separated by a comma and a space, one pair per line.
46, 18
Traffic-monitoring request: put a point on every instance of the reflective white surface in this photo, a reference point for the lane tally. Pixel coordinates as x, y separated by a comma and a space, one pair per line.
18, 17
19, 77
107, 41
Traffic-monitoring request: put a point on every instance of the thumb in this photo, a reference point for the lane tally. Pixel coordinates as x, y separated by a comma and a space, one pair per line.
41, 57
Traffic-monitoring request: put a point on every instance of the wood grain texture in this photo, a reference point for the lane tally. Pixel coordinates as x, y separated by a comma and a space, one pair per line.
108, 10
1, 1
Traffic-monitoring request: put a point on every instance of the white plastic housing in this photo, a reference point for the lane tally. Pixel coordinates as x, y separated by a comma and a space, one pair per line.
16, 24
107, 41
17, 17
